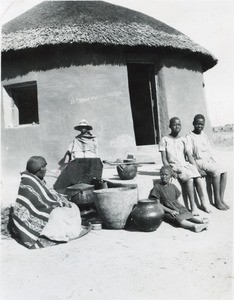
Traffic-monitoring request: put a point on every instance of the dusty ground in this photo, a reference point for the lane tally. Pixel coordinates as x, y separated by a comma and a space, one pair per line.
170, 263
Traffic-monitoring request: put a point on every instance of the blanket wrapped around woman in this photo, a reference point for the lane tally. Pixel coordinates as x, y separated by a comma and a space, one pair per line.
43, 217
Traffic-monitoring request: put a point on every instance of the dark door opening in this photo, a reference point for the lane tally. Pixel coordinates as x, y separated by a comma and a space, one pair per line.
142, 92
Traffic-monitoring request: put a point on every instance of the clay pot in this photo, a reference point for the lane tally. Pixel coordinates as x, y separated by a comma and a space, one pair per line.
127, 172
147, 215
114, 205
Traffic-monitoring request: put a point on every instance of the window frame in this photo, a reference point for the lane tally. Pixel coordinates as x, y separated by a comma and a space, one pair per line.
11, 111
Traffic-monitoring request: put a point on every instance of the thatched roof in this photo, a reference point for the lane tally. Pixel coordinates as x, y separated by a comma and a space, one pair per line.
95, 22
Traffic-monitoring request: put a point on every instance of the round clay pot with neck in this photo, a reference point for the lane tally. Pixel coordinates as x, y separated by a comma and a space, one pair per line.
127, 172
147, 215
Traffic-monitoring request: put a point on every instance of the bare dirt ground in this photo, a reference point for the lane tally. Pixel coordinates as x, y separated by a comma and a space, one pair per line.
167, 264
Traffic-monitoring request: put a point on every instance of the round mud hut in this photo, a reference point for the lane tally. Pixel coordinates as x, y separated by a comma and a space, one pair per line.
124, 72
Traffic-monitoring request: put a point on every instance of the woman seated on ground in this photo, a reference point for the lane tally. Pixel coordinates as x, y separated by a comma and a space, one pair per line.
41, 216
84, 144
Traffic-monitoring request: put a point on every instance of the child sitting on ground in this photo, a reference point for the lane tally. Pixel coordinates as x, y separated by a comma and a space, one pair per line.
168, 194
201, 150
174, 151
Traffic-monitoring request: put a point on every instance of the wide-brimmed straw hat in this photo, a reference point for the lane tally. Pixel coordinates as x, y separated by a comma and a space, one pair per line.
83, 124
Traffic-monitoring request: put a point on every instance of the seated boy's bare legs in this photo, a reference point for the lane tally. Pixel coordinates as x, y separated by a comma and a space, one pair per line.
223, 182
190, 191
217, 199
204, 203
193, 227
209, 189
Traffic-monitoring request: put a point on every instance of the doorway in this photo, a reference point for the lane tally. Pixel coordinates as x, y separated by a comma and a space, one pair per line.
142, 90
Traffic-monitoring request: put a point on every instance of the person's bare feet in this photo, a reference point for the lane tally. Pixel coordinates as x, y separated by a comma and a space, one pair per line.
201, 220
225, 204
206, 209
195, 212
200, 227
221, 206
204, 220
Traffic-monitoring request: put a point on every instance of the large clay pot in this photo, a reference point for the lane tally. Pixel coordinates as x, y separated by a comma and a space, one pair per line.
114, 205
127, 172
147, 215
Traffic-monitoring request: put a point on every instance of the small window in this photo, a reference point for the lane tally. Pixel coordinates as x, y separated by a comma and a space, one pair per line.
20, 104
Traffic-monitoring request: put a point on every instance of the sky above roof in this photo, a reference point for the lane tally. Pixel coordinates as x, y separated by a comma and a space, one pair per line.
207, 22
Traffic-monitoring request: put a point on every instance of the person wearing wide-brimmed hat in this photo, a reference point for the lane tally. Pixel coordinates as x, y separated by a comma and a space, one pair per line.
41, 216
83, 145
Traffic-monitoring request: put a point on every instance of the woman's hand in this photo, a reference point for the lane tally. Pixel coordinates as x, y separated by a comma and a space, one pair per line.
66, 204
174, 174
64, 201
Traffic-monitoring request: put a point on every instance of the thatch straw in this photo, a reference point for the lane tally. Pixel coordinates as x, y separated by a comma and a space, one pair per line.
93, 22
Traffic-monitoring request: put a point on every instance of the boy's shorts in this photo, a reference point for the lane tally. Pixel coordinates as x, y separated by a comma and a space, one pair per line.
212, 168
185, 171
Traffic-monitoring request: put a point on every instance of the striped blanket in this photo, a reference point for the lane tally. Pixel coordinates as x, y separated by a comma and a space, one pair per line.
32, 209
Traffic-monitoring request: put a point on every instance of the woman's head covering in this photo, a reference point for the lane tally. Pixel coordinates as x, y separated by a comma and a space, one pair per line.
35, 163
83, 124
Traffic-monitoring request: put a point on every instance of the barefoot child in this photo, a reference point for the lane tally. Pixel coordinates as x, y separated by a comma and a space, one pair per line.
201, 150
168, 194
174, 151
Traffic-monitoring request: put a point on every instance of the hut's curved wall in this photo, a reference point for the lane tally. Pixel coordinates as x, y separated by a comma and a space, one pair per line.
98, 94
73, 84
181, 89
